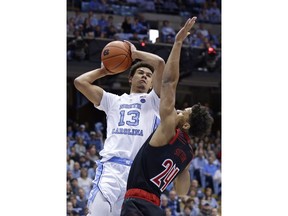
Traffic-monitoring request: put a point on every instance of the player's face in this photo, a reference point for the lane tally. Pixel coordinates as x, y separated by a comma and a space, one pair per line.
184, 114
142, 79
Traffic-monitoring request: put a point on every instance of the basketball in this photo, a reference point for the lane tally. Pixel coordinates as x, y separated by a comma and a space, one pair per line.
116, 56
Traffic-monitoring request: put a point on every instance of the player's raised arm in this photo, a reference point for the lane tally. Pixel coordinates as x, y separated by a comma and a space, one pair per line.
170, 80
84, 84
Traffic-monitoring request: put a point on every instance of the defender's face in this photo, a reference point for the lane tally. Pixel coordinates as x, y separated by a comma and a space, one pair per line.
183, 116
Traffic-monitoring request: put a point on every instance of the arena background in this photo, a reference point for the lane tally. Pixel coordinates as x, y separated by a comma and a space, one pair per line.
33, 107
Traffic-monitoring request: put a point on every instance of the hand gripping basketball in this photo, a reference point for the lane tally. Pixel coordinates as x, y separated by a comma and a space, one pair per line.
116, 56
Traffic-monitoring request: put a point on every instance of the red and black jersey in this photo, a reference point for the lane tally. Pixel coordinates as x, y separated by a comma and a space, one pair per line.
154, 168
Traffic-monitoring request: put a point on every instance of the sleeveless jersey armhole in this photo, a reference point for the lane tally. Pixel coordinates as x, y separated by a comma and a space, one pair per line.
175, 137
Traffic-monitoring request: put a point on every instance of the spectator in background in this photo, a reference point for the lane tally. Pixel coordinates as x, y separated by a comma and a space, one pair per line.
208, 198
69, 191
76, 207
167, 31
92, 154
77, 48
134, 37
193, 195
174, 203
148, 5
84, 162
187, 210
111, 32
98, 33
209, 171
87, 27
96, 139
84, 181
202, 30
71, 26
205, 209
138, 27
76, 170
214, 212
69, 208
159, 5
198, 190
93, 21
197, 40
70, 132
218, 148
168, 211
203, 16
70, 163
79, 19
194, 209
69, 175
92, 171
80, 146
170, 7
163, 201
197, 167
145, 23
75, 186
73, 154
69, 143
103, 22
126, 25
214, 13
83, 134
81, 201
213, 40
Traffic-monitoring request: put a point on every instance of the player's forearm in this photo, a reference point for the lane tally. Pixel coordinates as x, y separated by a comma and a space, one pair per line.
171, 70
155, 60
89, 77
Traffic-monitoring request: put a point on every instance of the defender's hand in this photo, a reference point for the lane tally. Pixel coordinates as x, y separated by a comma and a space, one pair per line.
184, 31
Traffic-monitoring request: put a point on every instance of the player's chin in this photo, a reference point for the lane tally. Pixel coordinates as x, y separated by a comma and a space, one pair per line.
143, 88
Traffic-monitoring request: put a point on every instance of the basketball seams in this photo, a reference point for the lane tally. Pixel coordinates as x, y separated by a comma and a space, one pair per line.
119, 64
126, 50
119, 57
108, 57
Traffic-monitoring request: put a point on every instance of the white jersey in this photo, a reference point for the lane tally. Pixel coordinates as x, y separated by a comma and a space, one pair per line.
130, 120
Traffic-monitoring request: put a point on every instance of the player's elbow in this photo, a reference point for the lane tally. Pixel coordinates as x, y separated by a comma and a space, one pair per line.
78, 83
161, 64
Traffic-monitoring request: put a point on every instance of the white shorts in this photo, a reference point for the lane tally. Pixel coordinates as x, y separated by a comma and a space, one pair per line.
110, 180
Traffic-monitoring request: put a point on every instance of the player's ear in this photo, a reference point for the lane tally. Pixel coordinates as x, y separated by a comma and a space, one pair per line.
186, 126
130, 79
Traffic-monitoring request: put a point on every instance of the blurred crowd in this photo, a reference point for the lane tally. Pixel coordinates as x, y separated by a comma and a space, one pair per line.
133, 28
208, 11
84, 142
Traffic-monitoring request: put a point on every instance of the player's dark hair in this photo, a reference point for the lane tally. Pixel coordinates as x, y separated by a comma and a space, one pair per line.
200, 121
138, 65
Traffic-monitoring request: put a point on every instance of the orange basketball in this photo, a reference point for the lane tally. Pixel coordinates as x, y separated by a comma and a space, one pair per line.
116, 56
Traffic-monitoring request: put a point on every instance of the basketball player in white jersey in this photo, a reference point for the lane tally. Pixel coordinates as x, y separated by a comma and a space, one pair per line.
131, 118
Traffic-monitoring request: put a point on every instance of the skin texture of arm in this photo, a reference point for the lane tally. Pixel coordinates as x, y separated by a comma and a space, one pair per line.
182, 182
84, 84
170, 78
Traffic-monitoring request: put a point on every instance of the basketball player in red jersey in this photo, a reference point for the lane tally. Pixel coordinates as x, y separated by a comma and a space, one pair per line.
166, 154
